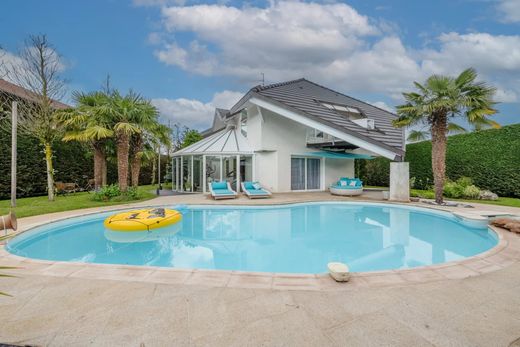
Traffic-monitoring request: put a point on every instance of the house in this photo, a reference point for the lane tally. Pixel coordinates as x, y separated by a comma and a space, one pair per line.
11, 92
290, 136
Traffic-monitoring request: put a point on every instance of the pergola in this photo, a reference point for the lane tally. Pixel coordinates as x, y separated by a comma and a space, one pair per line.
223, 156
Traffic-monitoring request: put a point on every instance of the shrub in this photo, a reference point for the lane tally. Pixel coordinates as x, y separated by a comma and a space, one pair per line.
107, 193
424, 194
471, 192
112, 193
464, 182
132, 193
453, 190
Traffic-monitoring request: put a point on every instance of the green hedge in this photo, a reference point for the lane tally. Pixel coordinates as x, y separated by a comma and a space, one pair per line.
490, 157
72, 163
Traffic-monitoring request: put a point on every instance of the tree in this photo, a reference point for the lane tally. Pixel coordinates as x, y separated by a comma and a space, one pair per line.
130, 115
90, 122
189, 137
438, 101
38, 71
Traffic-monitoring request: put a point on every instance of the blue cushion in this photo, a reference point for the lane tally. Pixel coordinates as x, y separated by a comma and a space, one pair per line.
219, 185
223, 192
258, 192
248, 185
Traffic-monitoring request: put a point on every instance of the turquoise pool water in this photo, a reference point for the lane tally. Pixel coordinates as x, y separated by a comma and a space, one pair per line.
299, 238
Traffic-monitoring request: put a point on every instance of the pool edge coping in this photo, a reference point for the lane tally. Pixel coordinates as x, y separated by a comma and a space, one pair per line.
503, 254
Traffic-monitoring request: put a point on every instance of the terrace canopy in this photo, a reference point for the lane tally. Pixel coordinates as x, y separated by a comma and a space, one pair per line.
223, 156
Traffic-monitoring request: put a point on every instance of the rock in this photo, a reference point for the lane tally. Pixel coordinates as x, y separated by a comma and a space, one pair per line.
339, 272
510, 224
487, 195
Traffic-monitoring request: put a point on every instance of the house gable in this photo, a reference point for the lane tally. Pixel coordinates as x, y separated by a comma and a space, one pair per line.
306, 102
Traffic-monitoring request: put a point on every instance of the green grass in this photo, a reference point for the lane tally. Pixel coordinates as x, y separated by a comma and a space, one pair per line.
27, 207
428, 194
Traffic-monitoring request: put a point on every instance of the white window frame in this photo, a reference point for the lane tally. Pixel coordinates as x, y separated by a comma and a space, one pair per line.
305, 174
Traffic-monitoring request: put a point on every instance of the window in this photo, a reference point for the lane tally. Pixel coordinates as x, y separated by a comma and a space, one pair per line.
351, 112
212, 169
305, 173
243, 124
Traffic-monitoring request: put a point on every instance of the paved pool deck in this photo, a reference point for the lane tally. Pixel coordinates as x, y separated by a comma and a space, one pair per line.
471, 303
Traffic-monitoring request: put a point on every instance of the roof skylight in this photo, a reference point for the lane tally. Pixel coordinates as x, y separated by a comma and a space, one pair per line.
349, 111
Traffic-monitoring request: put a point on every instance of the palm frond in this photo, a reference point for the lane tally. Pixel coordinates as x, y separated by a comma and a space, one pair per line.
417, 135
455, 128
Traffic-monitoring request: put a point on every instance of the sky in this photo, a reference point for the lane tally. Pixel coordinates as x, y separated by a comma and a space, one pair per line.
189, 57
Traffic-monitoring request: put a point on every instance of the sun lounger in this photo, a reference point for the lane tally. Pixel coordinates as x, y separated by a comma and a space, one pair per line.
254, 190
222, 190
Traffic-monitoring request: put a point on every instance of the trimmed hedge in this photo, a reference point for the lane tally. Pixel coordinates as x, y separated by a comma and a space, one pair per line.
73, 162
491, 158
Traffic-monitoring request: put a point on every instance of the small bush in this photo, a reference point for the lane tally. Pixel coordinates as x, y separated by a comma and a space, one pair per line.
424, 194
132, 193
464, 182
453, 190
107, 193
112, 193
471, 192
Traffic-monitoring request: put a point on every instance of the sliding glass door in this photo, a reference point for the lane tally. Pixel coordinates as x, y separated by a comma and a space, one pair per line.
313, 173
305, 173
297, 173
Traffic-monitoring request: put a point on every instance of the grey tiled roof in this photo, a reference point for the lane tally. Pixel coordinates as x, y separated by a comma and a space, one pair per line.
13, 89
302, 95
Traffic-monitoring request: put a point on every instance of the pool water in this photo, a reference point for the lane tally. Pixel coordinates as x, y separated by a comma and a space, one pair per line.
299, 238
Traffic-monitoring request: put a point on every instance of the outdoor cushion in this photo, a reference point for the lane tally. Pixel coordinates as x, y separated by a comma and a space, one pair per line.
223, 192
352, 183
257, 192
342, 183
248, 185
219, 185
257, 186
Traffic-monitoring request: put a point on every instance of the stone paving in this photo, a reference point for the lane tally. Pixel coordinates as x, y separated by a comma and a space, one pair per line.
61, 304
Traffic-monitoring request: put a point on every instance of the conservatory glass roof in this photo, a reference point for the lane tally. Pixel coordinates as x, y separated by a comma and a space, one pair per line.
227, 141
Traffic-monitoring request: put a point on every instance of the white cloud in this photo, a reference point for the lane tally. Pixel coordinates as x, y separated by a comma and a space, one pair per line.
331, 43
14, 69
509, 11
251, 40
488, 53
8, 61
194, 113
383, 105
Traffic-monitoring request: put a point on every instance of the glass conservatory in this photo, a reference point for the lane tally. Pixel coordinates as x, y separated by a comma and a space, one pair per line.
223, 156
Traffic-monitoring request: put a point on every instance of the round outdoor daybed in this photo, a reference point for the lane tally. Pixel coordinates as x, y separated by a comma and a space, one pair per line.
349, 191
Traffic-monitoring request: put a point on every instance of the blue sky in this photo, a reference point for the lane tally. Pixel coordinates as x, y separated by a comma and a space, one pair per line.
190, 56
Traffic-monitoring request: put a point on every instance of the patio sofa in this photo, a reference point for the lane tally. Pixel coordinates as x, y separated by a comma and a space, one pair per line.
254, 190
347, 186
222, 190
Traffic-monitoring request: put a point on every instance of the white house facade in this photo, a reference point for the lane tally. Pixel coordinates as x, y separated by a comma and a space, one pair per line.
291, 136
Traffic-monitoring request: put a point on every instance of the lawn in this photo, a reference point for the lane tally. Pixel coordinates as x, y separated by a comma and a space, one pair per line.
428, 194
511, 202
26, 207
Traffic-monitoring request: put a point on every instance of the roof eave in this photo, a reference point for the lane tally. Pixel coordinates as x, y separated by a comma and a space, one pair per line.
399, 153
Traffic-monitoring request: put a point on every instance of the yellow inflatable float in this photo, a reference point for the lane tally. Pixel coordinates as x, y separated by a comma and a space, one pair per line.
142, 220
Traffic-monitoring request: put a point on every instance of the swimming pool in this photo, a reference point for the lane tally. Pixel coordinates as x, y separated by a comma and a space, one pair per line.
297, 238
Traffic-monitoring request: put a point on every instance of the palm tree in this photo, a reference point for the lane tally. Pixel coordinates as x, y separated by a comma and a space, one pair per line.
90, 122
438, 101
130, 115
